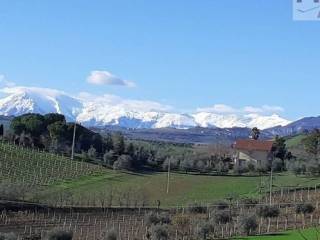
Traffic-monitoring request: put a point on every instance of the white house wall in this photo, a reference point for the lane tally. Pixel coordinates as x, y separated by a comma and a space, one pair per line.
253, 155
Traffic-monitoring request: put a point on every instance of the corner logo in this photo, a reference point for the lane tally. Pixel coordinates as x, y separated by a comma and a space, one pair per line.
306, 10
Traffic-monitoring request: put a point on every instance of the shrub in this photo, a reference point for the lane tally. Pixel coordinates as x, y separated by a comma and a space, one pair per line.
159, 232
277, 165
197, 208
111, 235
251, 166
8, 236
222, 168
221, 205
164, 218
232, 196
222, 217
205, 229
268, 212
263, 167
154, 219
305, 208
84, 156
249, 202
298, 168
239, 169
313, 168
92, 153
248, 224
109, 158
123, 162
151, 219
58, 234
174, 163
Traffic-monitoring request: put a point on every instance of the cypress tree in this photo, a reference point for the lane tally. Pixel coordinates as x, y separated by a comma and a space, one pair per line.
1, 130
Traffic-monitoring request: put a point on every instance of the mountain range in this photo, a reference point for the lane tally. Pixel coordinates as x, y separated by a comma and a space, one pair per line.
145, 119
109, 110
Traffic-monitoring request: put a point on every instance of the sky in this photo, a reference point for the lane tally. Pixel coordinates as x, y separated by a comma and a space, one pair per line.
194, 54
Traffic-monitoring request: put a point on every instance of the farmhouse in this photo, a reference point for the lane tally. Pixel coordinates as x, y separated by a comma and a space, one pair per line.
250, 150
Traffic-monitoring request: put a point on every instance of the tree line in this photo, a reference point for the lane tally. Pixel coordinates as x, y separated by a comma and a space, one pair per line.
51, 132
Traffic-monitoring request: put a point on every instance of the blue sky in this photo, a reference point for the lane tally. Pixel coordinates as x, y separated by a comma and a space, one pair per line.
187, 54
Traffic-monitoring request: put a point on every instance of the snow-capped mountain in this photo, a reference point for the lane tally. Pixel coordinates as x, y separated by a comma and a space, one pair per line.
207, 119
21, 100
115, 111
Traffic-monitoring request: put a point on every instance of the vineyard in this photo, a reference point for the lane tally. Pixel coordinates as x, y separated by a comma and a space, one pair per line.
185, 223
89, 215
85, 224
31, 167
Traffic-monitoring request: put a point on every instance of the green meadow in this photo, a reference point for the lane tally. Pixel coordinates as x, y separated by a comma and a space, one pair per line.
184, 188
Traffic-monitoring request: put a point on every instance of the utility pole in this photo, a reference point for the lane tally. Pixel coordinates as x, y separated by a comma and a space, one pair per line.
271, 179
73, 140
271, 186
168, 180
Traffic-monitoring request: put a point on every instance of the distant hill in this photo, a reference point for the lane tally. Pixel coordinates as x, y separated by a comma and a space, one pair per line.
200, 135
297, 127
193, 135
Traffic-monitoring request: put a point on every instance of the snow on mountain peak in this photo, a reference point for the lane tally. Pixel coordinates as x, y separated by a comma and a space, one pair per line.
113, 110
21, 100
265, 122
181, 121
207, 119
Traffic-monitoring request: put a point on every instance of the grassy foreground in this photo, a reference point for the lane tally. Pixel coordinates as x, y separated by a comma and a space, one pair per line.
310, 234
184, 188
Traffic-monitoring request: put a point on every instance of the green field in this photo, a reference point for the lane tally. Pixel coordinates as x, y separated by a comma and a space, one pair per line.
184, 188
56, 174
310, 234
295, 141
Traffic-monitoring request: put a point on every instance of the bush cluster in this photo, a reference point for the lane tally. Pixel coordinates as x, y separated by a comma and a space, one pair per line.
268, 212
197, 208
305, 208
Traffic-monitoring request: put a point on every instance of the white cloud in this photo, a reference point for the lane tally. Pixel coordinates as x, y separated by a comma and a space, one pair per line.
227, 110
250, 109
123, 103
32, 90
107, 78
218, 108
266, 109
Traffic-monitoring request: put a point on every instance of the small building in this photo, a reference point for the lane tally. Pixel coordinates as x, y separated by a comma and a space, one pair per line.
255, 151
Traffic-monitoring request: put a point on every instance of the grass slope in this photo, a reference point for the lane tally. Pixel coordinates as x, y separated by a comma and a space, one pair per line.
36, 168
295, 141
310, 233
184, 188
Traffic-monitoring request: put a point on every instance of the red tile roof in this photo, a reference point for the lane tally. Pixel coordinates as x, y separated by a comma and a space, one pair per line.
250, 144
